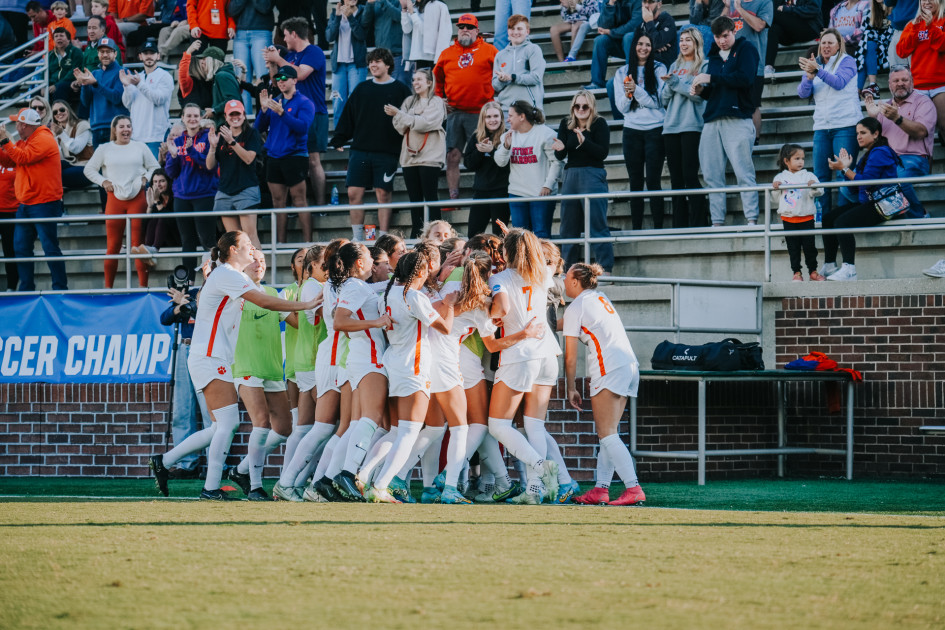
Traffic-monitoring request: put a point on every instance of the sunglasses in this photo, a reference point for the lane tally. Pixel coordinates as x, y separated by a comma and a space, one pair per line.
466, 27
39, 108
59, 111
582, 108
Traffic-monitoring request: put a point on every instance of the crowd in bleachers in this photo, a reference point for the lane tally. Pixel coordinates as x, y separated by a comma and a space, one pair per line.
415, 90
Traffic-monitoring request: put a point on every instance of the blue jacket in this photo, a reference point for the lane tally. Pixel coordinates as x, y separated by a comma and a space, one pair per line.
252, 15
728, 95
879, 163
358, 38
902, 12
288, 133
188, 171
104, 98
622, 18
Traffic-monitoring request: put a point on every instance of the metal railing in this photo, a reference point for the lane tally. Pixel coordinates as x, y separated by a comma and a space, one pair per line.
764, 231
36, 72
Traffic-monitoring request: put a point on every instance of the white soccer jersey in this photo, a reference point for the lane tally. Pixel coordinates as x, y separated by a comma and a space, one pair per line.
311, 289
526, 301
409, 348
365, 304
217, 324
592, 319
331, 345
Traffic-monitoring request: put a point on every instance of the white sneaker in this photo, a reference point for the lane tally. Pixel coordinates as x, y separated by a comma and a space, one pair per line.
769, 72
846, 272
829, 269
937, 270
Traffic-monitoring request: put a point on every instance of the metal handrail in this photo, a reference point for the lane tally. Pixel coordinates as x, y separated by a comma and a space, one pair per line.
38, 78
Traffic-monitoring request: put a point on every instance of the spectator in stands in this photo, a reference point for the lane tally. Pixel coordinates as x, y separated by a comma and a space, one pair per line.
728, 134
254, 23
903, 12
427, 28
210, 22
38, 188
15, 15
421, 121
382, 19
60, 12
312, 11
102, 91
152, 27
40, 18
529, 148
574, 20
99, 9
701, 15
879, 161
519, 71
492, 180
148, 98
463, 76
160, 200
682, 127
585, 136
923, 41
848, 18
176, 30
221, 74
193, 85
287, 117
63, 59
908, 122
872, 53
752, 20
95, 29
640, 101
796, 208
131, 14
235, 148
348, 67
41, 106
504, 9
194, 185
615, 27
660, 27
122, 167
829, 80
8, 38
74, 136
795, 21
375, 143
8, 208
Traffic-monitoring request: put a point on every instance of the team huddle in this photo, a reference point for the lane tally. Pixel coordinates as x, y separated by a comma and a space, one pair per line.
388, 349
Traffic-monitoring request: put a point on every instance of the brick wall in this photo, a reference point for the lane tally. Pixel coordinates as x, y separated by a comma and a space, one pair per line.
898, 342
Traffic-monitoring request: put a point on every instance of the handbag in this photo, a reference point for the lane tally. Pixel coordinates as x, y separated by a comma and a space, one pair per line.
889, 201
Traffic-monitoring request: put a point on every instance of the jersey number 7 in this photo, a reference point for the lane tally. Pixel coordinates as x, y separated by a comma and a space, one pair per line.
528, 291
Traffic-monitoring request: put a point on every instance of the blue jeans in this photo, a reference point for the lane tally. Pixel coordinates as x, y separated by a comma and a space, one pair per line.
533, 215
248, 47
184, 421
585, 179
913, 166
504, 9
606, 46
827, 143
344, 80
871, 65
23, 239
579, 40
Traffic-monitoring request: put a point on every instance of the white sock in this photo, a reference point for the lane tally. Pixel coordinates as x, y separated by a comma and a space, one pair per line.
537, 435
338, 455
456, 453
464, 471
315, 435
256, 456
291, 443
303, 477
272, 441
604, 475
490, 458
325, 459
357, 232
430, 459
378, 454
425, 438
380, 433
407, 433
474, 435
487, 482
193, 443
362, 431
564, 477
516, 444
620, 456
228, 421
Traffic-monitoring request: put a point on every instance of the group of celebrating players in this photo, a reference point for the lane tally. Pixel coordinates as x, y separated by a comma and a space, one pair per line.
385, 350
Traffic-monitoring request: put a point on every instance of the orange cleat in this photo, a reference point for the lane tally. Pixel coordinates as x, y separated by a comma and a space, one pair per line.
630, 496
594, 496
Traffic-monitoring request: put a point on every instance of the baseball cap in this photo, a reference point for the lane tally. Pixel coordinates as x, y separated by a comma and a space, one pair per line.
234, 106
27, 116
213, 52
149, 46
468, 18
107, 42
286, 72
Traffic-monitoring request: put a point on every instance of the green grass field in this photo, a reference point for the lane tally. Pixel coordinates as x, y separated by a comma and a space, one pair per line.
758, 554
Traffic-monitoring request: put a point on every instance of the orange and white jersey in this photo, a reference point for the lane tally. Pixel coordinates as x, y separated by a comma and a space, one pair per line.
362, 300
592, 319
217, 324
331, 345
526, 301
409, 350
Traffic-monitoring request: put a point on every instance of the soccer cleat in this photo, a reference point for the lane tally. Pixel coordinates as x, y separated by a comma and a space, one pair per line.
937, 270
594, 496
828, 269
549, 477
398, 488
239, 479
215, 495
846, 272
161, 474
630, 496
282, 493
452, 496
500, 496
484, 497
258, 494
310, 495
566, 492
360, 484
430, 495
325, 488
440, 482
526, 498
381, 495
344, 484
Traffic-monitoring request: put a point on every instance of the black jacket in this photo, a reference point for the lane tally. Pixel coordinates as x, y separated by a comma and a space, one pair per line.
489, 176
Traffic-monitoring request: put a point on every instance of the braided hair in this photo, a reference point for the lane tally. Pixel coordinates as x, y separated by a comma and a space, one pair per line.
409, 267
341, 264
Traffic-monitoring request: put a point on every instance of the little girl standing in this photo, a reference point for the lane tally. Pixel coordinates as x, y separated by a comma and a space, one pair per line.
796, 207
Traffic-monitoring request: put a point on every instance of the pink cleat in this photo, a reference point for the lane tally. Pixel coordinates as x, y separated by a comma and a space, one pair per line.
630, 496
594, 496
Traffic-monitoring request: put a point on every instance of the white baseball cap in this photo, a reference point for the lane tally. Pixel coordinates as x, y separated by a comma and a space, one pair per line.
27, 116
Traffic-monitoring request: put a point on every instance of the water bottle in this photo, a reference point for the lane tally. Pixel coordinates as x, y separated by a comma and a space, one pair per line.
818, 213
334, 195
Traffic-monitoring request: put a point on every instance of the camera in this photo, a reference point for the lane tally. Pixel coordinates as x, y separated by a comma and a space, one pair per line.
179, 278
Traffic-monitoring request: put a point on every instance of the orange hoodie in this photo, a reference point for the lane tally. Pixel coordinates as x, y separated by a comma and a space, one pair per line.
464, 75
38, 172
210, 17
926, 45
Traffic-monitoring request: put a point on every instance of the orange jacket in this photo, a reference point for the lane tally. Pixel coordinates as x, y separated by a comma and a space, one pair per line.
464, 75
38, 172
127, 8
8, 200
925, 43
200, 15
65, 23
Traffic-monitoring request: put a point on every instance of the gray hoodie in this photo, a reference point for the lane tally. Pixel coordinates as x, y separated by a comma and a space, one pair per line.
526, 64
683, 111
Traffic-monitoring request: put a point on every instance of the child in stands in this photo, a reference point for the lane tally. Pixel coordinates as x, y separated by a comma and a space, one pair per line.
796, 207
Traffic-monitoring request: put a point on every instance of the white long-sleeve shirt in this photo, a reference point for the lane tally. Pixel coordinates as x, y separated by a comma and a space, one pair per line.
149, 104
651, 112
429, 33
124, 165
533, 161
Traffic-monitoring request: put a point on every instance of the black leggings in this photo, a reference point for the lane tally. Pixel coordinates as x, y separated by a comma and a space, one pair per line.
202, 228
796, 243
482, 216
6, 237
682, 158
849, 216
787, 28
421, 183
643, 155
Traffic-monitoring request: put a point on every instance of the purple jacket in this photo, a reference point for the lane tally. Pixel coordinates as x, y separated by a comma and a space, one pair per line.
188, 171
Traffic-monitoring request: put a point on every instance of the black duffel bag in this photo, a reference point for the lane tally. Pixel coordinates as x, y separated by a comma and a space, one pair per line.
728, 355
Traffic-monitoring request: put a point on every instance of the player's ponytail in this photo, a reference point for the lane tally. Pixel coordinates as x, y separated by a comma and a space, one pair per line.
341, 264
475, 284
525, 256
330, 250
222, 251
586, 274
